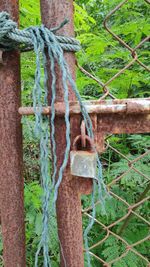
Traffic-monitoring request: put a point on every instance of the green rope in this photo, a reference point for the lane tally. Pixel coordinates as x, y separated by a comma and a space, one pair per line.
13, 38
38, 38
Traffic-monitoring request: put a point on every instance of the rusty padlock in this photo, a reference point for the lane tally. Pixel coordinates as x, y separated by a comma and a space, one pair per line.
83, 160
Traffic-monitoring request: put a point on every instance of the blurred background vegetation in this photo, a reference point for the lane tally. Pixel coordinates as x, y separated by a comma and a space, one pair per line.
102, 56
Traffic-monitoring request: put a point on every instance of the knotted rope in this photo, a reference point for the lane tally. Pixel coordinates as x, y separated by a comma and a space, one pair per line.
38, 38
13, 38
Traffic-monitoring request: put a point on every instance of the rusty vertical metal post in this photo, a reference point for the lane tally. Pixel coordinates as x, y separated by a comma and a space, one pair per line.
69, 215
11, 180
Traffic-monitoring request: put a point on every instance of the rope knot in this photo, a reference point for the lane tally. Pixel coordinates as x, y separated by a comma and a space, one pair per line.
13, 38
6, 25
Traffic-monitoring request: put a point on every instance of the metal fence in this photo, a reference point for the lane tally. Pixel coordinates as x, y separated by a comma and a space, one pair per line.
123, 215
116, 239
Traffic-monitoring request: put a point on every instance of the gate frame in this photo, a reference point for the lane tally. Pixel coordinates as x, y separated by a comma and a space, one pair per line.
69, 216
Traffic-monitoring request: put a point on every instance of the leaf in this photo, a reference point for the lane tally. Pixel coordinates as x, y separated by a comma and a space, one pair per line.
38, 224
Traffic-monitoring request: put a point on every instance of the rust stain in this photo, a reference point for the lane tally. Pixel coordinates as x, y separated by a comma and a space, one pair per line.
125, 123
69, 203
130, 106
11, 180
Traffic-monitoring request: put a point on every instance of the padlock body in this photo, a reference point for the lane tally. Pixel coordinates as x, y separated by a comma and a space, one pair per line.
83, 163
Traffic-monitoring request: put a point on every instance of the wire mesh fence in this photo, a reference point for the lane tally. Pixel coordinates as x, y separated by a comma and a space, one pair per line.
120, 238
122, 233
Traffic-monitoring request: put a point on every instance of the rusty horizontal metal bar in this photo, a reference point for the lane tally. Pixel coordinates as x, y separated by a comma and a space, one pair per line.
127, 106
123, 123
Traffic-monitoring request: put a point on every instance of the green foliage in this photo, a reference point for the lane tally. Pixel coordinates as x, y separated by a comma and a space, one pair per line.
114, 249
82, 19
33, 197
29, 16
31, 151
103, 55
29, 13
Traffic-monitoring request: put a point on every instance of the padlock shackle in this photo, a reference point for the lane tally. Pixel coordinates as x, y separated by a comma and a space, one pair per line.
83, 134
88, 141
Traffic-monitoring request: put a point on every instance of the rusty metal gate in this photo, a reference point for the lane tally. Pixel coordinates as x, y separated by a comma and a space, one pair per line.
109, 243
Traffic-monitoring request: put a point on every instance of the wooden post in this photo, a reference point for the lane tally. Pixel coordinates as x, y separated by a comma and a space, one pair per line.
11, 180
